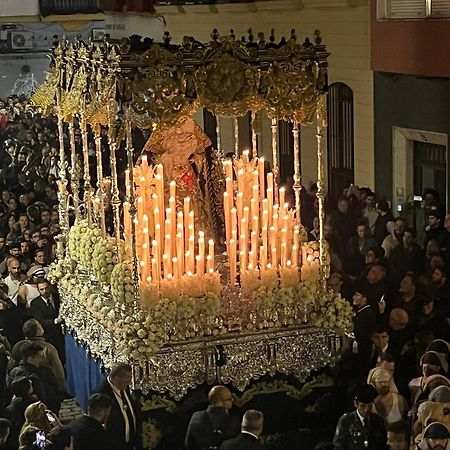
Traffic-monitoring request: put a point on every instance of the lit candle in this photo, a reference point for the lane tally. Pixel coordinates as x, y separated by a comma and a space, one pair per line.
186, 206
210, 258
228, 164
240, 205
172, 189
176, 268
283, 255
180, 249
254, 247
201, 253
155, 254
240, 180
245, 156
274, 258
232, 261
270, 204
168, 249
144, 165
233, 221
263, 257
294, 256
227, 216
191, 254
282, 193
264, 245
261, 178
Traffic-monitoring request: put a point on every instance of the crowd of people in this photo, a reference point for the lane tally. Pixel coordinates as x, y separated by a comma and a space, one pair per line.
391, 382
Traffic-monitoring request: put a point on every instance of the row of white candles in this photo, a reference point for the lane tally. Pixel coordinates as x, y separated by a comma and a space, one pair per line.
260, 234
166, 243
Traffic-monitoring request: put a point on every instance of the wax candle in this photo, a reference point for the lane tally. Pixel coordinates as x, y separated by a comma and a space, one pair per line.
232, 261
180, 249
172, 189
201, 253
262, 177
282, 194
210, 258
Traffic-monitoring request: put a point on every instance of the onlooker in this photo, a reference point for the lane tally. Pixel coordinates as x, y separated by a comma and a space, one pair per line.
209, 428
123, 422
251, 429
89, 431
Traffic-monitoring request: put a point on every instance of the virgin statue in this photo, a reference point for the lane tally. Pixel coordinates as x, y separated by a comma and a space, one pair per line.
181, 149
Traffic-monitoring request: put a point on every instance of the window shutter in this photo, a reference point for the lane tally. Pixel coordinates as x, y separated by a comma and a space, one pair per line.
406, 9
440, 8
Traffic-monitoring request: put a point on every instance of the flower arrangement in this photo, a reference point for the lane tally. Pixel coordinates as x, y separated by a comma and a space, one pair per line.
333, 312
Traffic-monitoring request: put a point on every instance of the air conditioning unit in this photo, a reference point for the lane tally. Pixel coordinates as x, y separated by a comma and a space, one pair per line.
21, 40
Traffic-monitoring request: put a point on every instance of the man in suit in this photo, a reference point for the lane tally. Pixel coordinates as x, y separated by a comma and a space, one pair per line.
88, 431
252, 426
123, 421
208, 429
44, 310
361, 429
364, 326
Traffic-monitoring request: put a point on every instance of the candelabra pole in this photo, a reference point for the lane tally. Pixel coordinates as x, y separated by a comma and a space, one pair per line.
219, 138
274, 126
297, 176
100, 190
236, 136
74, 174
87, 198
254, 137
133, 210
63, 195
115, 198
321, 124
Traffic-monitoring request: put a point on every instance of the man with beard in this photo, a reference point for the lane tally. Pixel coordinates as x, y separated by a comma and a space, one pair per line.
361, 429
435, 437
389, 404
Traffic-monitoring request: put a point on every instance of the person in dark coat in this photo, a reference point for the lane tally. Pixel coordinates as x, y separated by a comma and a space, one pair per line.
124, 420
364, 326
361, 429
44, 383
251, 429
22, 391
208, 429
45, 311
88, 431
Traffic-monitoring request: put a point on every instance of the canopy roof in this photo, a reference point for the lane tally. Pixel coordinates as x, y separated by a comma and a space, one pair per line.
162, 82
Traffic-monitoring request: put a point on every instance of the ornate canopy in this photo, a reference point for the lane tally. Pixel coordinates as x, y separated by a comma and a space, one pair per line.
162, 82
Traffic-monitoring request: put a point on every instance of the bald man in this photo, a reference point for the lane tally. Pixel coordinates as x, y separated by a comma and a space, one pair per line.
208, 429
251, 429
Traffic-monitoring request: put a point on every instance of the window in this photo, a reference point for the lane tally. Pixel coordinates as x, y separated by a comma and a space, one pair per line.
340, 139
413, 9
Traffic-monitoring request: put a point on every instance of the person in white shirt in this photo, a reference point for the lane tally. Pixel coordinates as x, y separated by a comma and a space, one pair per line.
14, 279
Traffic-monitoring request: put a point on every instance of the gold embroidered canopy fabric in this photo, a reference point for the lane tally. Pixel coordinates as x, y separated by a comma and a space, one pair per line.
167, 83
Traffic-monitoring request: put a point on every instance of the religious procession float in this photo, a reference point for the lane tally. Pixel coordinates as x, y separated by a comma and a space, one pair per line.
189, 264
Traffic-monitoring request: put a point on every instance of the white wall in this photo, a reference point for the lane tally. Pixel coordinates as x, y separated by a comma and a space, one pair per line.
346, 33
11, 8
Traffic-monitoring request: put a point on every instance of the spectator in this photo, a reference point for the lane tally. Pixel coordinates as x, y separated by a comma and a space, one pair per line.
44, 309
435, 437
385, 216
211, 427
395, 238
123, 421
251, 429
389, 404
32, 366
60, 439
5, 428
88, 431
398, 435
361, 428
34, 332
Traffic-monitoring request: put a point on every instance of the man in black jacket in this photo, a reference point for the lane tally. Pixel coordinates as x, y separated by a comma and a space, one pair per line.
45, 311
252, 426
364, 326
361, 429
208, 429
32, 366
88, 431
124, 420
